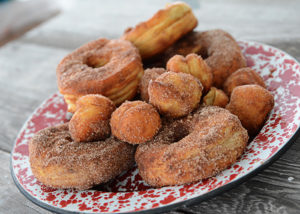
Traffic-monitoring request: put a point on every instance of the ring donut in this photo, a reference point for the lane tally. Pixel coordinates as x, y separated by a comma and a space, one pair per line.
219, 49
193, 148
59, 162
111, 68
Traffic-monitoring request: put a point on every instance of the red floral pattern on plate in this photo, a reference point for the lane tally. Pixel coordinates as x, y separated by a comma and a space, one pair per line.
128, 192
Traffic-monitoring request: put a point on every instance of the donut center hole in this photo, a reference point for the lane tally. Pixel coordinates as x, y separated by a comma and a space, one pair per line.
179, 132
203, 53
96, 61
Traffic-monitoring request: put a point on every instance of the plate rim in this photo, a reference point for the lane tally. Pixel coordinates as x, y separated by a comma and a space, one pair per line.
167, 207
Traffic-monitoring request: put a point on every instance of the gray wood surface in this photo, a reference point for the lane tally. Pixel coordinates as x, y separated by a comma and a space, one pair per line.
27, 77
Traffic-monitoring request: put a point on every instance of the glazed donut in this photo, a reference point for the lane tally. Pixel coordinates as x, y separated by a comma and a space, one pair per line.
252, 104
192, 64
112, 68
162, 30
243, 76
59, 162
216, 97
193, 148
175, 94
135, 122
91, 119
149, 75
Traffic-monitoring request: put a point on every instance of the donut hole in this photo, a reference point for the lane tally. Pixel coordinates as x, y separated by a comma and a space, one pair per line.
179, 132
203, 53
97, 61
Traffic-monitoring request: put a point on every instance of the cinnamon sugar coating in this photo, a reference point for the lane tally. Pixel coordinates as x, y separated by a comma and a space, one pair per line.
252, 104
218, 48
149, 75
59, 162
91, 119
243, 76
112, 68
175, 94
163, 29
216, 97
192, 64
192, 148
135, 122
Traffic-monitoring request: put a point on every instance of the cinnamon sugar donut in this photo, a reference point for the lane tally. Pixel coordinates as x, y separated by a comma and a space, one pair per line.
252, 104
59, 162
149, 75
135, 122
192, 64
193, 148
218, 48
216, 97
112, 68
175, 94
162, 30
243, 76
91, 119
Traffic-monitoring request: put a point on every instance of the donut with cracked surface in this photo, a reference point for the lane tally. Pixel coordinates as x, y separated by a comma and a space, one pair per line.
175, 94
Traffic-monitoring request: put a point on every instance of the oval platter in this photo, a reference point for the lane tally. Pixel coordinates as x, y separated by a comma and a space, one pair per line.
128, 192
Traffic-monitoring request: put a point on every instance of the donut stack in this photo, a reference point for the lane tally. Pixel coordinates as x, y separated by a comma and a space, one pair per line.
190, 112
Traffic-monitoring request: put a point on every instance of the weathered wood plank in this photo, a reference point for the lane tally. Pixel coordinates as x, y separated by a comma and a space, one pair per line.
11, 200
17, 17
27, 78
252, 20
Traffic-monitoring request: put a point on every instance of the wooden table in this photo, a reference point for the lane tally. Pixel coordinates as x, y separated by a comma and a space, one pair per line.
27, 77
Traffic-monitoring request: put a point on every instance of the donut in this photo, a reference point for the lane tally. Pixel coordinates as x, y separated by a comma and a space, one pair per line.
243, 76
223, 54
91, 119
252, 104
111, 68
149, 75
192, 148
135, 122
162, 30
59, 162
192, 64
217, 47
175, 94
190, 43
216, 97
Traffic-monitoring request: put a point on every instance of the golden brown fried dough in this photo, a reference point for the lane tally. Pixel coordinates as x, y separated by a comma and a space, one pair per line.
112, 68
59, 162
193, 148
216, 97
135, 122
149, 75
91, 119
175, 94
162, 30
194, 65
252, 104
243, 76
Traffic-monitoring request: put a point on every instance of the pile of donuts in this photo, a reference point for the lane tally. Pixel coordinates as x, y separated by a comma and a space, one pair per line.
181, 104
